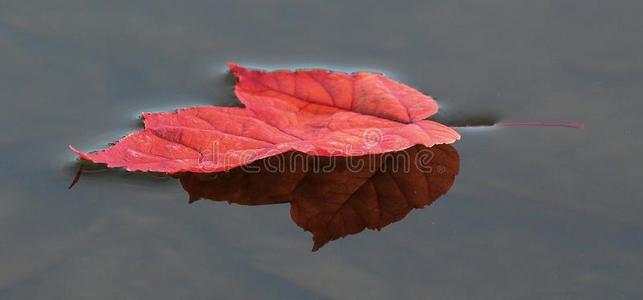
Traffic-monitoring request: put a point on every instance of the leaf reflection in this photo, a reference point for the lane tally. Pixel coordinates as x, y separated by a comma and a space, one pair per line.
333, 197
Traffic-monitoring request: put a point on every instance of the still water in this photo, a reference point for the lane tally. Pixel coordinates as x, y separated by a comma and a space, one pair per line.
535, 213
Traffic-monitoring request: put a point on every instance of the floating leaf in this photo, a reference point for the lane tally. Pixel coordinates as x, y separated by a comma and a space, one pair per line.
317, 112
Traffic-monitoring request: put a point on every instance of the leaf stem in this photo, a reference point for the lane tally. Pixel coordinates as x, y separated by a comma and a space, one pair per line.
574, 125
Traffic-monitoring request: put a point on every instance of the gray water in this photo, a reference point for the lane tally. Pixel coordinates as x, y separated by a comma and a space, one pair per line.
536, 213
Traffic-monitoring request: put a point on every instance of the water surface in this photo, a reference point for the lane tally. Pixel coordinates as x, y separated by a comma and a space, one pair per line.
536, 213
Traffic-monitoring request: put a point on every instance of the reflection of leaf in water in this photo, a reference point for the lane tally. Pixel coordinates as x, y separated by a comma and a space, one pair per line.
342, 200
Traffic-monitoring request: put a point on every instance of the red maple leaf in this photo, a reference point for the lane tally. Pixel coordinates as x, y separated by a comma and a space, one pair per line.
333, 197
317, 112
